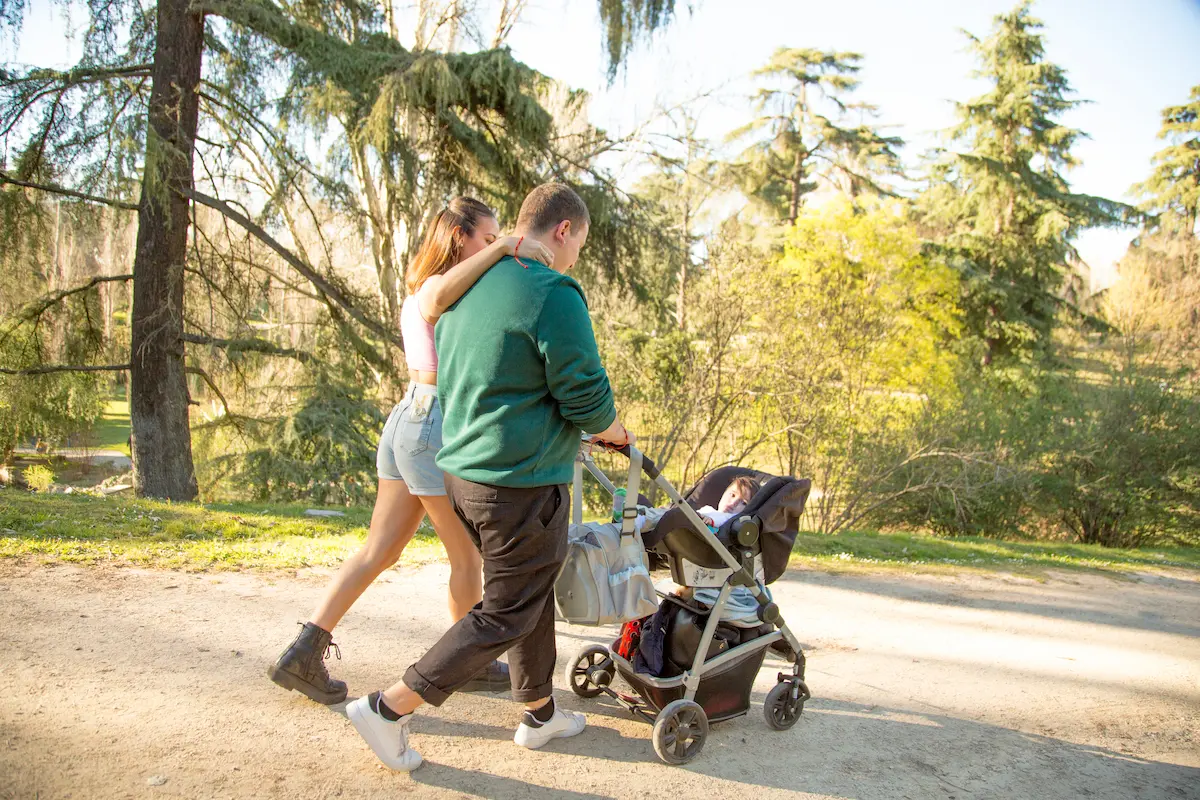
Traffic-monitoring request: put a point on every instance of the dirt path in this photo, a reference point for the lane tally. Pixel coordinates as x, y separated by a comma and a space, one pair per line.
127, 683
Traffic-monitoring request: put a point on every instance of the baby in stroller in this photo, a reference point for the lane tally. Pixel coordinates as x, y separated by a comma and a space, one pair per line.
708, 668
735, 497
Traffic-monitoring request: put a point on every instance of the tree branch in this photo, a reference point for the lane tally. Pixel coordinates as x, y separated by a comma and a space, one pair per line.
211, 385
55, 189
50, 368
37, 308
327, 288
250, 345
73, 77
510, 13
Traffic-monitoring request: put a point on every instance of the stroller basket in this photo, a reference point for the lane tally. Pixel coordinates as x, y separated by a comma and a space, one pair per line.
723, 693
746, 553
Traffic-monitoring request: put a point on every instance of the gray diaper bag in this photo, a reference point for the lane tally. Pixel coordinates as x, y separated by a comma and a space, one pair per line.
605, 579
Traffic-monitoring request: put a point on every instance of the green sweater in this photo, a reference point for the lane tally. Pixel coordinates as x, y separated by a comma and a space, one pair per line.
518, 377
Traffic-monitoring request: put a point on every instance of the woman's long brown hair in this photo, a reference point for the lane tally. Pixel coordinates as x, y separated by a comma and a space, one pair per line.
443, 243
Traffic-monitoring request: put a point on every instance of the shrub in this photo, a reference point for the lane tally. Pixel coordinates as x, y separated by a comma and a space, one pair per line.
1122, 462
49, 407
1114, 462
324, 453
39, 478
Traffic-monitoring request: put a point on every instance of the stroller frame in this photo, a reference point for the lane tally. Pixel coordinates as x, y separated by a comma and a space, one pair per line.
681, 725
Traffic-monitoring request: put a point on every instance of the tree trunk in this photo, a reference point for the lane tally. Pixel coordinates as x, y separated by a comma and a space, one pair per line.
801, 112
381, 212
383, 243
681, 299
104, 267
389, 15
691, 206
797, 184
158, 399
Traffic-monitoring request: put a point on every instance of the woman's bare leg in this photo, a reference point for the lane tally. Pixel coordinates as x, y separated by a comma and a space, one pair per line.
395, 519
466, 565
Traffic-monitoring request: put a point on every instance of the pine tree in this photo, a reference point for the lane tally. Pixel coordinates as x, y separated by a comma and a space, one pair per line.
805, 133
1173, 189
1000, 206
1161, 270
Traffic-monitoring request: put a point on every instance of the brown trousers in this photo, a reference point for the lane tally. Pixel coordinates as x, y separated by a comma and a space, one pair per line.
522, 536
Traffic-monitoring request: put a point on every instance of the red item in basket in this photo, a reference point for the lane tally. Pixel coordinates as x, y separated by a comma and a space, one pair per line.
631, 635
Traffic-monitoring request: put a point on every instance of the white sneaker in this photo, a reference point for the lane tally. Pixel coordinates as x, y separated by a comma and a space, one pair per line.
388, 739
534, 734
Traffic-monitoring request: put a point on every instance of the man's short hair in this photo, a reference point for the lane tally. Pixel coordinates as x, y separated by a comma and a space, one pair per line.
549, 204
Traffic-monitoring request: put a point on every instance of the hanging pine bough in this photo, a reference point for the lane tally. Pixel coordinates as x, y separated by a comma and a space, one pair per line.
625, 21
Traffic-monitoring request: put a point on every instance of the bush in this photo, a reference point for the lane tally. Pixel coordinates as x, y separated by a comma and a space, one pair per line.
1114, 462
971, 480
39, 478
1122, 462
48, 407
324, 453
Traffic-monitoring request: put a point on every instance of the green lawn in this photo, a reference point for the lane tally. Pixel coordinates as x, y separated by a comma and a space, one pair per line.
124, 530
111, 431
928, 553
188, 536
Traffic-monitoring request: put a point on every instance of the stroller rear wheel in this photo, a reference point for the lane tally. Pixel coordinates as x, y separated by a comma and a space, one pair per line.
784, 704
680, 731
590, 671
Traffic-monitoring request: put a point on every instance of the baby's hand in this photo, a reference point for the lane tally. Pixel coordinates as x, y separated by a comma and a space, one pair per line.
708, 521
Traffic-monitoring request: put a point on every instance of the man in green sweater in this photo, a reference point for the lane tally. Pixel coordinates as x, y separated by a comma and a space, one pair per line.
519, 377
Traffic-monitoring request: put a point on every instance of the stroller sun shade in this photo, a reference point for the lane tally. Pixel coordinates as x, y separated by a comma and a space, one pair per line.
779, 502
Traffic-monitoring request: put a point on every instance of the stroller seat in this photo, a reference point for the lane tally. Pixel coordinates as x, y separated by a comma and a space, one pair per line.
776, 508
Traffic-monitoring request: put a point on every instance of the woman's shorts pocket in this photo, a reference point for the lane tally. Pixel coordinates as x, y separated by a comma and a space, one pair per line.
416, 424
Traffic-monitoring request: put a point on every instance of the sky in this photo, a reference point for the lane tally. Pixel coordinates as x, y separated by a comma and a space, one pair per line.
1128, 58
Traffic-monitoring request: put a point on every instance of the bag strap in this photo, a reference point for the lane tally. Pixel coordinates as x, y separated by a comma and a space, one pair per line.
577, 490
630, 513
632, 487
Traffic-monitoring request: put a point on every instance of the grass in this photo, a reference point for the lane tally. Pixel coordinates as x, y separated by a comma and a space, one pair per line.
128, 531
927, 553
111, 431
232, 536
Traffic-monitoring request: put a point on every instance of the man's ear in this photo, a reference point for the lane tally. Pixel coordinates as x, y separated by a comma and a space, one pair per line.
562, 230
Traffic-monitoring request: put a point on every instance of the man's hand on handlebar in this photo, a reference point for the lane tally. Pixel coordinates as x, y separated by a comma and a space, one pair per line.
615, 435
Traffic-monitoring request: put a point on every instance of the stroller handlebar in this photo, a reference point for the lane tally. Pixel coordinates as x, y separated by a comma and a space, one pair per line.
628, 450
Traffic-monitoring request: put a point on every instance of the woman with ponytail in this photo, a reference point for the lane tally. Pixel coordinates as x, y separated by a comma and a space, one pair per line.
462, 244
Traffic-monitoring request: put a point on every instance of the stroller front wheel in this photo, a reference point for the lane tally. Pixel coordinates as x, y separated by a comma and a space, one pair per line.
784, 705
680, 731
590, 671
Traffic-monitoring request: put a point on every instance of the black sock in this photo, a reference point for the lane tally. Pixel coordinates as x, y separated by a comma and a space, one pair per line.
381, 708
544, 713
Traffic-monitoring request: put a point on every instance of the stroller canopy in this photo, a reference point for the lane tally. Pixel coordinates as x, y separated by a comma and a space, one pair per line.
779, 502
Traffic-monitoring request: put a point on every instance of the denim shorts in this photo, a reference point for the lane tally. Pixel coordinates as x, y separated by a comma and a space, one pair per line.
411, 440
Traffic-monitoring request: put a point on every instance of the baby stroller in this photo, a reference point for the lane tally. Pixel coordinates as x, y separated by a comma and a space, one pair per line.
749, 550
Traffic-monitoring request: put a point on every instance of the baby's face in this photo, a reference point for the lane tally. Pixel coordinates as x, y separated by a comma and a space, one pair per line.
732, 501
